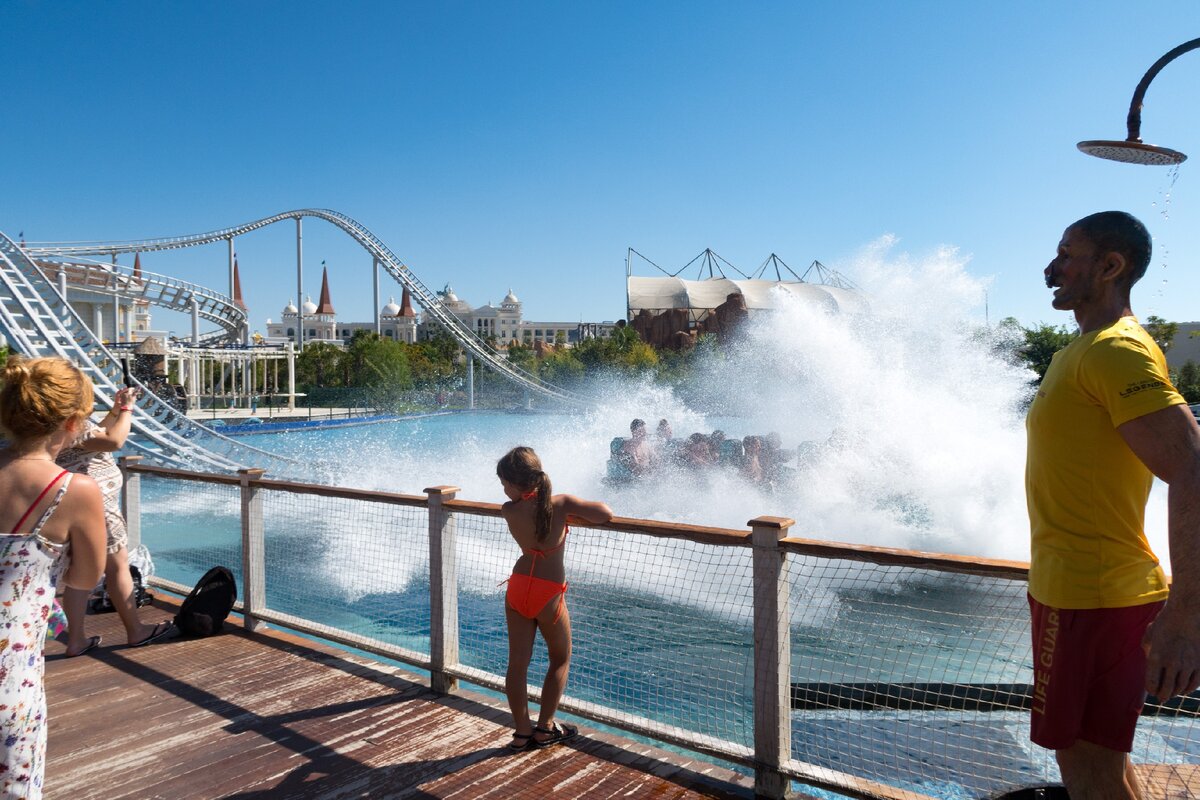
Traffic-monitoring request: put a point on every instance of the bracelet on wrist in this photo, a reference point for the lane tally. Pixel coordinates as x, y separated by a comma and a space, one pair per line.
126, 408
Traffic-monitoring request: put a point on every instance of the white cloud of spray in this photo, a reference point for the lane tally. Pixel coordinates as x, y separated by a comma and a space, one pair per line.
911, 417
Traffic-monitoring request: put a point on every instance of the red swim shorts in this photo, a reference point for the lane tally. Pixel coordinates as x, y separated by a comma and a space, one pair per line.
1089, 674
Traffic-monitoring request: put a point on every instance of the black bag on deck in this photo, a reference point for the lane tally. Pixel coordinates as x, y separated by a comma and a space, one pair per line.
204, 611
101, 603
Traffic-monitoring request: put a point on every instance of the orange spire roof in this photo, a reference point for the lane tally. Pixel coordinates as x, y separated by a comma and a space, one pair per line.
237, 287
137, 265
406, 309
325, 306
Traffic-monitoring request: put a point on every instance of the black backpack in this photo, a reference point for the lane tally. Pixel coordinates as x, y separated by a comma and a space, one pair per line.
102, 603
204, 611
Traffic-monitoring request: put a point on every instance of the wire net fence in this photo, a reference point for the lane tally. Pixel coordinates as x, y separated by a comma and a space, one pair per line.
906, 677
661, 629
189, 526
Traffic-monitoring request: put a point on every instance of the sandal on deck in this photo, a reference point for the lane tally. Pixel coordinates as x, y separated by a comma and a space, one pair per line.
527, 744
556, 732
161, 629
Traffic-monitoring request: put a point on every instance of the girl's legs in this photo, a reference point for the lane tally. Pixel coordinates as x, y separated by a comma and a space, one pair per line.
119, 583
521, 633
557, 634
74, 603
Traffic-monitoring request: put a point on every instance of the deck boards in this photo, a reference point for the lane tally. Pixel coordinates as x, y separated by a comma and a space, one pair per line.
271, 715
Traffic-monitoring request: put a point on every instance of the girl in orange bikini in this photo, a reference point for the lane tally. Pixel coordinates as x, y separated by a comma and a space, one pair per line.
536, 597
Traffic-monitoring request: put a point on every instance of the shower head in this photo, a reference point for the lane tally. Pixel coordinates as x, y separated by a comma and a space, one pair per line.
1132, 152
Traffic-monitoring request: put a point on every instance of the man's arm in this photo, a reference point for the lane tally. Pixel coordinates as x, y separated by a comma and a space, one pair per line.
1168, 443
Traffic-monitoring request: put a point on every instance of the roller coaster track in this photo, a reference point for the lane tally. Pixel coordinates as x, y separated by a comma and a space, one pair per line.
159, 290
467, 338
37, 321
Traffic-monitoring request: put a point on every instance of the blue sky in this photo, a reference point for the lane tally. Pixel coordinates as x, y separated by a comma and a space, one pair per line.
527, 145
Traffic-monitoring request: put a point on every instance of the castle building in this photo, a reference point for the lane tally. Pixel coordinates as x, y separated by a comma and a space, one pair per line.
502, 324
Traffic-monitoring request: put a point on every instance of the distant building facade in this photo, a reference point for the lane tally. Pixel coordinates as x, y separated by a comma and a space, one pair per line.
503, 324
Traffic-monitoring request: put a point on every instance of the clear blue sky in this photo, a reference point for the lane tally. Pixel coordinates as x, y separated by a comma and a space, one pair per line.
527, 145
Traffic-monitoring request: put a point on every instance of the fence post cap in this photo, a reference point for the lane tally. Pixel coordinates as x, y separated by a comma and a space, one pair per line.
253, 472
440, 490
130, 459
780, 523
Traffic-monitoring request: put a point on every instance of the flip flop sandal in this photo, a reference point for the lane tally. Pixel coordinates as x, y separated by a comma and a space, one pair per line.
160, 630
92, 644
556, 732
528, 744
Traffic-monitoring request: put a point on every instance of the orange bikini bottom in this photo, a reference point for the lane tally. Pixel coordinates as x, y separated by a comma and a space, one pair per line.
529, 595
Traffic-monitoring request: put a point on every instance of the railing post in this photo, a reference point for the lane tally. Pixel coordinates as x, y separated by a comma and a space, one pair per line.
772, 658
131, 500
443, 590
254, 559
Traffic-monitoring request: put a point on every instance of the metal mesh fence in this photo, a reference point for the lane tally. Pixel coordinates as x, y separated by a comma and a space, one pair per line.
660, 628
906, 677
351, 565
190, 526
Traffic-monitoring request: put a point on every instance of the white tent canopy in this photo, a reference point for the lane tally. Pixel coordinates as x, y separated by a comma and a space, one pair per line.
660, 294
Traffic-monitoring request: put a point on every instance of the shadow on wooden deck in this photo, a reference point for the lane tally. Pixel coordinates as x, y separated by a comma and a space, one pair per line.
271, 715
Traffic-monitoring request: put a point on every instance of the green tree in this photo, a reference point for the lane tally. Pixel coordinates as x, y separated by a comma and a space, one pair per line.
522, 357
561, 368
1187, 381
1161, 331
319, 365
1041, 343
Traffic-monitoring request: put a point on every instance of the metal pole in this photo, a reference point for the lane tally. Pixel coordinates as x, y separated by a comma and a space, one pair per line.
231, 266
299, 283
470, 380
195, 322
375, 273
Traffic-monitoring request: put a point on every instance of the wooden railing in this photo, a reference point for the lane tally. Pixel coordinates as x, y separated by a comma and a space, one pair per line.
774, 695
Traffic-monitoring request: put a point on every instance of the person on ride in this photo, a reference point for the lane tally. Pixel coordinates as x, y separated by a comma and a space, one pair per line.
661, 449
636, 450
752, 467
536, 597
52, 521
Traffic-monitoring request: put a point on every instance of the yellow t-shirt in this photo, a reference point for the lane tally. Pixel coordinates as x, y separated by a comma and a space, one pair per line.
1085, 488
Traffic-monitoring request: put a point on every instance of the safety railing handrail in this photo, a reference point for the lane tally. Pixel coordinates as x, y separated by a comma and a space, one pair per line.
773, 693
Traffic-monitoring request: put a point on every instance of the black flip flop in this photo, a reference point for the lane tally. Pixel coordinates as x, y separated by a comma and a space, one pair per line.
558, 733
161, 629
92, 644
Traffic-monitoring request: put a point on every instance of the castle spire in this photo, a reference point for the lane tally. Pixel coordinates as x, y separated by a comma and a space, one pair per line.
137, 265
325, 306
406, 309
237, 287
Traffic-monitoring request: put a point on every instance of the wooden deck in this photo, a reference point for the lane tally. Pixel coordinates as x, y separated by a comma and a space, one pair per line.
271, 715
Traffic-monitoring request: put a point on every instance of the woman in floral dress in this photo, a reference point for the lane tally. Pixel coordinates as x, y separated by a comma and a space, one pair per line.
54, 521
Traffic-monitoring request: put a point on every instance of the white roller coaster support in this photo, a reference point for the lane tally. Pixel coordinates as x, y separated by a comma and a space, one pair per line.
38, 322
428, 301
158, 290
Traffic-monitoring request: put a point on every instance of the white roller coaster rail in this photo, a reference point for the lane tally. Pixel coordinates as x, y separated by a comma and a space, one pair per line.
159, 290
467, 338
38, 322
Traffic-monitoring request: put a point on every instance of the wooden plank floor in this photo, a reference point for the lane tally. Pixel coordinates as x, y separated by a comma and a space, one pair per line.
271, 715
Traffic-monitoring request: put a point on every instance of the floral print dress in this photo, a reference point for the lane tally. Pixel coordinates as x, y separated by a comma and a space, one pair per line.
29, 569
